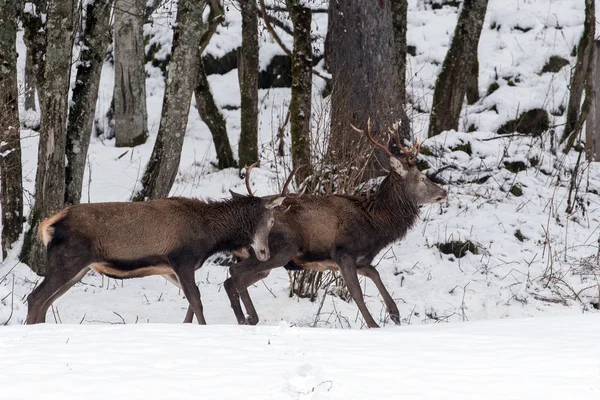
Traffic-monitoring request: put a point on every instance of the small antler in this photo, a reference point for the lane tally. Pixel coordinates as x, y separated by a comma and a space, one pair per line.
368, 135
248, 170
284, 192
411, 153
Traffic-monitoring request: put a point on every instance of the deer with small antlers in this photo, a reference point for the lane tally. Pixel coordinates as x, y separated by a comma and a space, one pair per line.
341, 232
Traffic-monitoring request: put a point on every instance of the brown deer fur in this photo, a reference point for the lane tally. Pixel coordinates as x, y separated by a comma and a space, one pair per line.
160, 237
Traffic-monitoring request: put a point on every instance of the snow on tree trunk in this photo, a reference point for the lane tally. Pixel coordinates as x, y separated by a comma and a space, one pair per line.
212, 117
300, 104
181, 80
96, 38
248, 73
452, 82
365, 82
399, 18
592, 129
11, 189
131, 118
584, 51
54, 89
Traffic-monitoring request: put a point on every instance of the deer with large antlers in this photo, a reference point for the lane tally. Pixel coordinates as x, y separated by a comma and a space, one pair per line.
341, 232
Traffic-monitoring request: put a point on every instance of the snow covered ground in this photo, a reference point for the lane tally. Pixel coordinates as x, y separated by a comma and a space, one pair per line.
535, 358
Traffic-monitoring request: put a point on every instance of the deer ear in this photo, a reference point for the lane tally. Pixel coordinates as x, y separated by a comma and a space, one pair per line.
235, 195
274, 203
398, 167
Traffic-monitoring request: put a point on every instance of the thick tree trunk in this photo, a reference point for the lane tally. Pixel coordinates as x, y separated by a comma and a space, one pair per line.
592, 129
473, 83
35, 41
399, 18
584, 50
365, 82
131, 118
54, 89
11, 189
300, 104
96, 38
212, 117
248, 144
181, 80
451, 85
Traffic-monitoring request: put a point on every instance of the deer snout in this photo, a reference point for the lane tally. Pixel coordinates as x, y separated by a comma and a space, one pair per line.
262, 254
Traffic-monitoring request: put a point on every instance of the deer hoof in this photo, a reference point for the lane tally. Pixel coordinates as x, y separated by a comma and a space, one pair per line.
395, 319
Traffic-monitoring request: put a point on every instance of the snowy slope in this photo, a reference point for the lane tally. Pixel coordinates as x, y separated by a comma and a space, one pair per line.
542, 358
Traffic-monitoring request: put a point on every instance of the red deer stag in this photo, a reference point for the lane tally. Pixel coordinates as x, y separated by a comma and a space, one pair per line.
341, 232
159, 237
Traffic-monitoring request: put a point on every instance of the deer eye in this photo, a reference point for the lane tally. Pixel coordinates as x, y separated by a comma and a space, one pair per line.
422, 179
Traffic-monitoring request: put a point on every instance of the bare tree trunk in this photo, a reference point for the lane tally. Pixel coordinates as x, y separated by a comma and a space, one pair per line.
584, 50
248, 144
96, 38
29, 84
11, 189
365, 82
592, 130
131, 118
473, 83
300, 104
451, 85
54, 89
212, 117
182, 78
399, 18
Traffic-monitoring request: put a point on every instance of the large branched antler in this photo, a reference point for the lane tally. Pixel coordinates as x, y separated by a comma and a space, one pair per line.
410, 153
376, 143
284, 192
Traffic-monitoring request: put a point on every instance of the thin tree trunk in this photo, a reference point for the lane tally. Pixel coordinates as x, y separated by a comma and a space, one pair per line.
592, 129
399, 18
182, 79
35, 41
248, 144
365, 84
584, 50
473, 83
54, 89
131, 118
29, 84
300, 104
11, 190
96, 38
451, 85
212, 117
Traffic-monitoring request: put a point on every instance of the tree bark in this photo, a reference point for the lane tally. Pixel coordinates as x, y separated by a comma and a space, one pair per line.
248, 144
452, 82
54, 89
35, 41
212, 117
584, 50
365, 83
592, 129
11, 189
29, 84
96, 38
473, 83
300, 104
399, 19
131, 118
182, 79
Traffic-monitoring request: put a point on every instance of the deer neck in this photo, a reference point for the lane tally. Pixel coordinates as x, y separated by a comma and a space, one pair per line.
393, 209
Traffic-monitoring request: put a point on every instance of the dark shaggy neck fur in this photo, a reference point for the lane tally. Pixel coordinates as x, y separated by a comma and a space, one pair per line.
230, 224
393, 208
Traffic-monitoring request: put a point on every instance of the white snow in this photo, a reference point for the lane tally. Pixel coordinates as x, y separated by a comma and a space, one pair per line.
541, 358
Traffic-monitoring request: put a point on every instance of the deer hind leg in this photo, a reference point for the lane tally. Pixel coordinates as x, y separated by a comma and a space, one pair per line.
370, 272
348, 270
59, 279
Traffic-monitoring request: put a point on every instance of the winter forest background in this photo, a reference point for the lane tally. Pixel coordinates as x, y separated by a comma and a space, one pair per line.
127, 100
